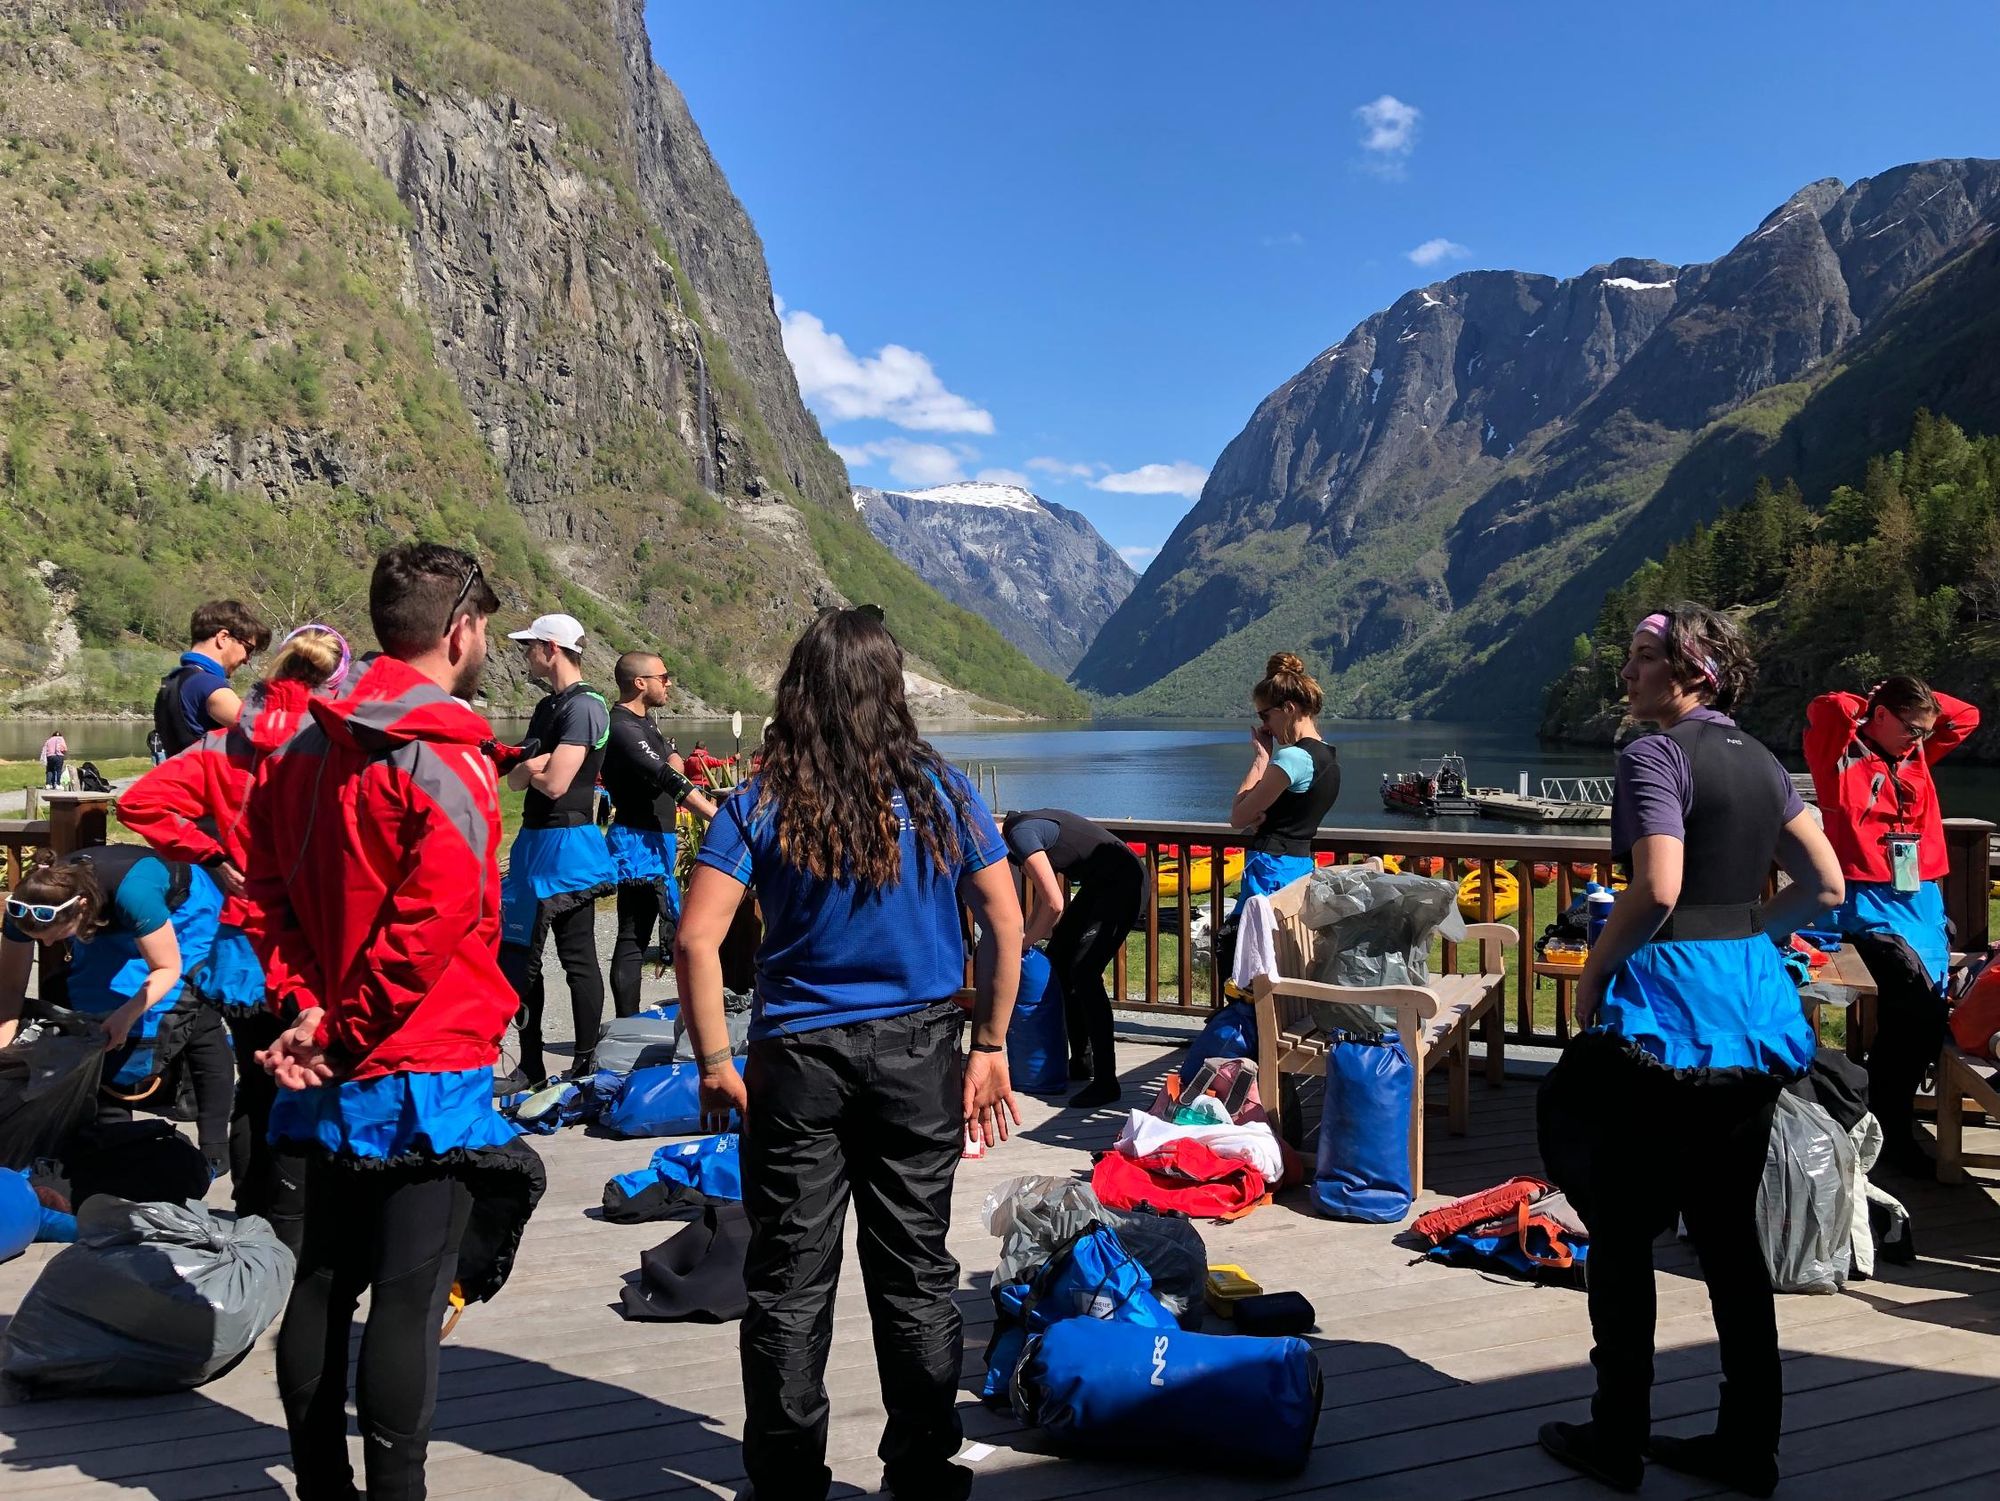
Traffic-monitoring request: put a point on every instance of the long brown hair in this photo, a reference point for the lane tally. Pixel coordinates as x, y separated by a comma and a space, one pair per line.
47, 883
840, 745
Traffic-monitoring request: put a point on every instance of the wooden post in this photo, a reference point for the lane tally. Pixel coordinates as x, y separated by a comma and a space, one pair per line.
1184, 863
77, 820
1969, 883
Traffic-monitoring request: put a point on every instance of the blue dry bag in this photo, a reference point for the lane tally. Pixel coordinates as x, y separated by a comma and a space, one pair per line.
1093, 1277
1124, 1391
1364, 1131
1037, 1039
20, 1215
664, 1100
1230, 1033
684, 1175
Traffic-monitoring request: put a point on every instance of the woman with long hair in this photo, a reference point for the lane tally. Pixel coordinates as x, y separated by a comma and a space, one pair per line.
1689, 1027
1871, 761
191, 808
861, 842
1293, 778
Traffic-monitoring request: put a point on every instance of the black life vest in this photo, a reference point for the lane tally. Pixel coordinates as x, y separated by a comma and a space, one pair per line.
578, 805
169, 720
1730, 830
1288, 825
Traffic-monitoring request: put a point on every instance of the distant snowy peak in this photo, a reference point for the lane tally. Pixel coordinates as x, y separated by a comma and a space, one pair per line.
1630, 284
974, 493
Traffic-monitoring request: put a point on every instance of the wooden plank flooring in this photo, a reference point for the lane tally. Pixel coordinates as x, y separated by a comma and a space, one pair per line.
1435, 1378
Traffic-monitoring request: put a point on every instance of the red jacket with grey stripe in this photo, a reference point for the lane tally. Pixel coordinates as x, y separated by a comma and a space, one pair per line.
374, 840
191, 806
1862, 797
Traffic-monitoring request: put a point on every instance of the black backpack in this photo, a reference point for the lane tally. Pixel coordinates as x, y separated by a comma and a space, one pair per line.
168, 721
90, 779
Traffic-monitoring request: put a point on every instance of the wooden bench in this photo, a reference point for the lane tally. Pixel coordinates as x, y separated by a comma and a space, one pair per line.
19, 839
1961, 1077
1435, 1021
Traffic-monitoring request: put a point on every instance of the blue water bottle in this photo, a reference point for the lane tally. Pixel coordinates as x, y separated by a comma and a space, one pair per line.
1598, 900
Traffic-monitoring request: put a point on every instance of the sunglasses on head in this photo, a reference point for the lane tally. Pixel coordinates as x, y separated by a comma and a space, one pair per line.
464, 593
38, 912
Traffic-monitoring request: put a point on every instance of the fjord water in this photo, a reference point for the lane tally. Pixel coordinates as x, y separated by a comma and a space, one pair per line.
1151, 769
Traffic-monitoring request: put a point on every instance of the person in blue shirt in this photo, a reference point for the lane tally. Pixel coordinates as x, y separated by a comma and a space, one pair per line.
861, 842
120, 931
196, 697
1293, 779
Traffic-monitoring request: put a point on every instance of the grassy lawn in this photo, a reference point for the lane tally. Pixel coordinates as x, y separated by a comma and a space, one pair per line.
14, 775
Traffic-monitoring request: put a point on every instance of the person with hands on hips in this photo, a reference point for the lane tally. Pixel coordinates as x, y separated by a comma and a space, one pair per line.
1689, 1026
860, 841
1294, 777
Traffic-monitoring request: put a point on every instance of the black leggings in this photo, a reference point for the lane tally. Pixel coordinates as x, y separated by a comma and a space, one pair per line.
394, 1233
266, 1180
640, 905
575, 930
1110, 893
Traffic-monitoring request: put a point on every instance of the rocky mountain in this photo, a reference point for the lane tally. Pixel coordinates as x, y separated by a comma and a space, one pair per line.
286, 281
1037, 572
1433, 508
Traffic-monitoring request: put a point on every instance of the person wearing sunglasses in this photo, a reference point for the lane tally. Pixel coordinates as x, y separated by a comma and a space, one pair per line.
191, 808
1294, 777
1871, 761
118, 931
196, 697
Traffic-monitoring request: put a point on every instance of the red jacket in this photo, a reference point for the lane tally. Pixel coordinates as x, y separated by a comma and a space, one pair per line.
1859, 801
375, 878
191, 806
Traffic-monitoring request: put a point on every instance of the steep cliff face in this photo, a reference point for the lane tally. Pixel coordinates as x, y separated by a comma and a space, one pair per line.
1038, 572
508, 194
1403, 506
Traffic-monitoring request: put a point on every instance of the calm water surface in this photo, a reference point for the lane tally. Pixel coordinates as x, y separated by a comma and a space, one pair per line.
1151, 770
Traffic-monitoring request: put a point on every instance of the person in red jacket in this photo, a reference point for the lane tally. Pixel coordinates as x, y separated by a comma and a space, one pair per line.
1871, 761
374, 902
191, 808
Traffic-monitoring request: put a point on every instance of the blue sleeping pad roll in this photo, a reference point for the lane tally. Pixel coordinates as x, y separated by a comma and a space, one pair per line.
664, 1100
1123, 1391
1364, 1131
1037, 1039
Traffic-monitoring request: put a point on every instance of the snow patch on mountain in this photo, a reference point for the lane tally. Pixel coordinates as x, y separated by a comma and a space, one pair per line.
973, 493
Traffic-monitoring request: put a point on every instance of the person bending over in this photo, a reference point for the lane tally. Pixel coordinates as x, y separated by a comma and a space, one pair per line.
861, 842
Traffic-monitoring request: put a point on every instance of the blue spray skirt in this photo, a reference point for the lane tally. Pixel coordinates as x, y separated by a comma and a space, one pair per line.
1265, 873
682, 1175
233, 979
1710, 1004
548, 872
394, 1116
664, 1100
644, 857
1917, 917
1037, 1037
1167, 1396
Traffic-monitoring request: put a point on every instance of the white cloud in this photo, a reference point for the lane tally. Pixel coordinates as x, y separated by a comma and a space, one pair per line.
894, 384
1291, 239
1433, 252
909, 463
1064, 468
1139, 557
1388, 133
1178, 478
1004, 477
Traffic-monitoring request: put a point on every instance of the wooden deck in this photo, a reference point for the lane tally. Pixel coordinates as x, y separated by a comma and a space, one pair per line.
1435, 1378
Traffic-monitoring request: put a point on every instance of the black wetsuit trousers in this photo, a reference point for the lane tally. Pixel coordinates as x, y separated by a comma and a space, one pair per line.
870, 1110
1105, 906
575, 931
392, 1232
1668, 1148
641, 904
266, 1180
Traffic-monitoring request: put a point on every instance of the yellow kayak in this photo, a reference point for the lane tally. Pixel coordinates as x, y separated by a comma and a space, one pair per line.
1199, 868
1506, 894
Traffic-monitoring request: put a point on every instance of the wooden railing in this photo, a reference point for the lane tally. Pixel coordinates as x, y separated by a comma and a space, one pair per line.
1173, 972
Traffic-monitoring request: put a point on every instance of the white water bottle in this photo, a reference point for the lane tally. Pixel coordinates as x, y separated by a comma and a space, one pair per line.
1598, 900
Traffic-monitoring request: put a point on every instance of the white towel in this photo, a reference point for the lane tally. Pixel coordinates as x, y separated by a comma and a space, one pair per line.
1256, 943
1144, 1134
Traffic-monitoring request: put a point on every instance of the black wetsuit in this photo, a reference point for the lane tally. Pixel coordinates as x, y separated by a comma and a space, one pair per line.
645, 794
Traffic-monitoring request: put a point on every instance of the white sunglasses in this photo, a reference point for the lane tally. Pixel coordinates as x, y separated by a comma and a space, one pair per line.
38, 912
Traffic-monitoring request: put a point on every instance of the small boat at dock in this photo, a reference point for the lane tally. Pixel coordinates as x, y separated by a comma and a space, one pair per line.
1436, 789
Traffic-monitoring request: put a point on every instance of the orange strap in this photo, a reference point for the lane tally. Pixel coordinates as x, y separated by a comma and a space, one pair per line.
1560, 1256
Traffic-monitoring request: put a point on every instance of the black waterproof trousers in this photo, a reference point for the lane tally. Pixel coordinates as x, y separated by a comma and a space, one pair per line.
264, 1179
1911, 1023
641, 904
1661, 1148
872, 1109
1105, 906
392, 1232
575, 930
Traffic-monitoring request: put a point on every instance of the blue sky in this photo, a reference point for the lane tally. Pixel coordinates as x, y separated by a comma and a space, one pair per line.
1078, 242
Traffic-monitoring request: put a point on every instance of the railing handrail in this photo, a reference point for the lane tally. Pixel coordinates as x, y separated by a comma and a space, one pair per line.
1471, 845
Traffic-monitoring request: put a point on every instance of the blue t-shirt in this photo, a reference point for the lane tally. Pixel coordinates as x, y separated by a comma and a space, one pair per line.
196, 690
1296, 763
834, 953
138, 907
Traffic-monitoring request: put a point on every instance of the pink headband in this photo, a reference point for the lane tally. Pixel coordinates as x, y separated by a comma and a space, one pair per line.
1658, 625
346, 657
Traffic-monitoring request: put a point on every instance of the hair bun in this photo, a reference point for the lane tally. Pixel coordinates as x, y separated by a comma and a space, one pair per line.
1284, 662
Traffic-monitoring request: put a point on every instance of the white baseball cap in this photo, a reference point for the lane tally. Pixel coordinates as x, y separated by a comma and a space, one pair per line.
565, 631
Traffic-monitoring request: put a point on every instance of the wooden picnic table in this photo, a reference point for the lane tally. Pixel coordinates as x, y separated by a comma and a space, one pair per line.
77, 820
